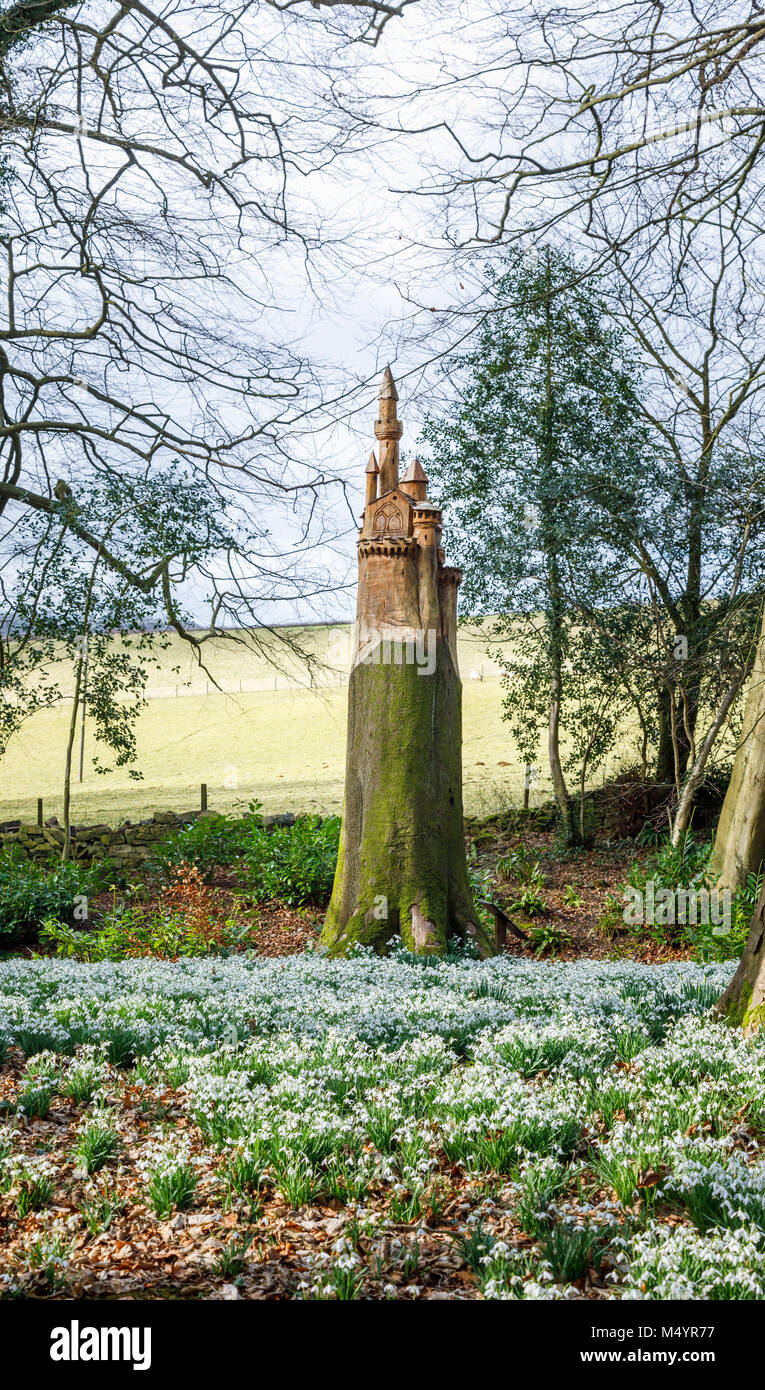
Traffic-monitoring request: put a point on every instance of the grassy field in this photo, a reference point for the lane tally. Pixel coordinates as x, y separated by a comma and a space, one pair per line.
259, 734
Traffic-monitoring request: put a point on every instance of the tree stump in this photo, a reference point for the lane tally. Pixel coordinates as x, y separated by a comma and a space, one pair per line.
402, 868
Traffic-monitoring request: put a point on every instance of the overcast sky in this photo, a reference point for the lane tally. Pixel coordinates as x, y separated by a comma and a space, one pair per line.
395, 263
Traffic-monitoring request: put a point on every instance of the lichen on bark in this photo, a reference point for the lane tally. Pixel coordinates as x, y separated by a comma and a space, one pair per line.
743, 1003
402, 868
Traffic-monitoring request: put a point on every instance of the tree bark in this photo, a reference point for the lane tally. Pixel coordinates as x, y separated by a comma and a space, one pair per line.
402, 867
696, 775
740, 841
556, 766
66, 849
743, 1003
665, 756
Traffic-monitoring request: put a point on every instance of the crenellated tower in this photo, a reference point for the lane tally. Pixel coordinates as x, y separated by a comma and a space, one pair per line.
404, 582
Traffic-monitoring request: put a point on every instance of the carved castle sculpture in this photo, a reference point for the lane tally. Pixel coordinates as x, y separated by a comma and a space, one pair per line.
405, 586
401, 865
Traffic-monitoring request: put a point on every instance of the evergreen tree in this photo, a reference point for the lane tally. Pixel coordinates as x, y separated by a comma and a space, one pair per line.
543, 408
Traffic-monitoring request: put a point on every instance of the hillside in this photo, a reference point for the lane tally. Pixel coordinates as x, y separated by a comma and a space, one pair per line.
253, 726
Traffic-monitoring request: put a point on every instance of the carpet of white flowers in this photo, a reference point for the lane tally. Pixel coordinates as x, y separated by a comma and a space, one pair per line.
398, 1128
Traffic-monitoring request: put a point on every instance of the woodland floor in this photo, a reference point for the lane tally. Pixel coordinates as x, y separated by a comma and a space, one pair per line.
594, 874
276, 929
377, 1129
425, 1204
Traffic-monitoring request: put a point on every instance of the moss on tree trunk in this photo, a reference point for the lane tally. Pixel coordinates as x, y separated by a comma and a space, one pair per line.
743, 1003
740, 850
402, 868
740, 840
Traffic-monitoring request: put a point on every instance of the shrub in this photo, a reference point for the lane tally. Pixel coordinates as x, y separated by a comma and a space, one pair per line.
207, 843
674, 866
31, 891
295, 864
683, 867
708, 945
182, 922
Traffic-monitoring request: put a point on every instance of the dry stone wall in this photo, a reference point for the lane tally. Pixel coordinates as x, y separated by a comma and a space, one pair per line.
128, 845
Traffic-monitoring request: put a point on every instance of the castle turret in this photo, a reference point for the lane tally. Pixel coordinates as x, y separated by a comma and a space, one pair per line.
400, 555
388, 430
371, 476
415, 481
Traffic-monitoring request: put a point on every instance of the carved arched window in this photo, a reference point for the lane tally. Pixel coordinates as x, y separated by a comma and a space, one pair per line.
388, 521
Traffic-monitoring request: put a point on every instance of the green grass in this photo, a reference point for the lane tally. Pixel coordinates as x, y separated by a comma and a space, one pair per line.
283, 747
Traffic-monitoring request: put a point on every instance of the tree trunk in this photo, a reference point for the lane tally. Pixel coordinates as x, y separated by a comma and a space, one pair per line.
66, 849
562, 796
743, 1002
674, 746
696, 775
402, 867
665, 756
740, 841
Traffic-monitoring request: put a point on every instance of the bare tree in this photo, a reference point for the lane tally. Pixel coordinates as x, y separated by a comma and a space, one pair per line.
634, 134
652, 109
157, 220
689, 306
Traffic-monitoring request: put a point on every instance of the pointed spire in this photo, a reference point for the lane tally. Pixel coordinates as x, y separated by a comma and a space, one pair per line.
415, 481
388, 390
388, 429
371, 476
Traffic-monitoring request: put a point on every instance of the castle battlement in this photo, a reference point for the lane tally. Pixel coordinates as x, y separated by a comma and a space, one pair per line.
403, 579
